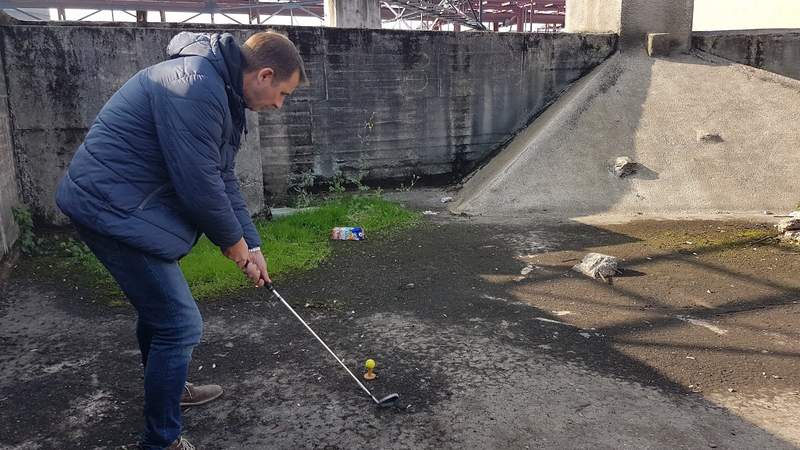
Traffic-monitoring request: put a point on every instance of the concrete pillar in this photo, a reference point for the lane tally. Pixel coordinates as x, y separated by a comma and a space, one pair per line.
633, 20
353, 13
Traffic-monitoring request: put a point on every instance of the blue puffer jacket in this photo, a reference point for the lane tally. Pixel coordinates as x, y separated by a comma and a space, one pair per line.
157, 166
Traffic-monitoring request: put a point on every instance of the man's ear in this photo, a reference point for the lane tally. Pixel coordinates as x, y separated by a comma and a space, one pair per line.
266, 74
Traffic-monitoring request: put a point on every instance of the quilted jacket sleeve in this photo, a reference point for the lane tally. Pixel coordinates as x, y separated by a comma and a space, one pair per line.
240, 208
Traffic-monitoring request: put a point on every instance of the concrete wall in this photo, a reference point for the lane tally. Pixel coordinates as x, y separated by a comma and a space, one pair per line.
712, 15
59, 77
775, 50
388, 104
8, 176
381, 104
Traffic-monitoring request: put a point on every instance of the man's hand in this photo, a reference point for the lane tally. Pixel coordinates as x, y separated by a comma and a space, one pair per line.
257, 259
239, 254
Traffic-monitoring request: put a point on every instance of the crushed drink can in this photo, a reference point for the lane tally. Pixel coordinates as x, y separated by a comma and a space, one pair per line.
347, 234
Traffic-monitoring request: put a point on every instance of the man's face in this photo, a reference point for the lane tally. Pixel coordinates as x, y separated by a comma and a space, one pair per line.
262, 91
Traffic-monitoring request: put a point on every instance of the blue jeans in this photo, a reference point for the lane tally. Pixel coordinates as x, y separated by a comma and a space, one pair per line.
168, 327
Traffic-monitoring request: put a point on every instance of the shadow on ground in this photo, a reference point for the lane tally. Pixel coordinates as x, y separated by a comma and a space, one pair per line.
481, 355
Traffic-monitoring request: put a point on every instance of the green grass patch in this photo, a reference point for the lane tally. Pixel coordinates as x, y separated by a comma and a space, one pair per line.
294, 243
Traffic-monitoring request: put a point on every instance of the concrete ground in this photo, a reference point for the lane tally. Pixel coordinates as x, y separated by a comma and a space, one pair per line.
481, 327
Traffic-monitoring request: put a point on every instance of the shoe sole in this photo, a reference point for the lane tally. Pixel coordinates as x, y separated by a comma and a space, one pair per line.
188, 404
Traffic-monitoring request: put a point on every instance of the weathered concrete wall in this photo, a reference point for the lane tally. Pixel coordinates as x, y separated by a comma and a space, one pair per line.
8, 176
775, 50
59, 77
388, 104
249, 166
381, 104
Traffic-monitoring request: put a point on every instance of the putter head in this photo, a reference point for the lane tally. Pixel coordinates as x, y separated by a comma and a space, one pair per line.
389, 400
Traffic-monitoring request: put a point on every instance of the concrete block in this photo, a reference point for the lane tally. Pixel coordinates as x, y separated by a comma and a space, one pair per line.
664, 44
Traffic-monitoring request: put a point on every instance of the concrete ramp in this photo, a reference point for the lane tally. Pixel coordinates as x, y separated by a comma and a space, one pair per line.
709, 135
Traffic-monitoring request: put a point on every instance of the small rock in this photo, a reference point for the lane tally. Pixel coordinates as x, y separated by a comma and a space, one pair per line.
447, 199
597, 265
789, 224
712, 138
731, 390
430, 213
624, 166
792, 237
526, 270
408, 286
767, 213
777, 377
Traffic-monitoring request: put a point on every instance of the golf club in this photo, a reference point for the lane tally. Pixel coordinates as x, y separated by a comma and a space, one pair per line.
384, 402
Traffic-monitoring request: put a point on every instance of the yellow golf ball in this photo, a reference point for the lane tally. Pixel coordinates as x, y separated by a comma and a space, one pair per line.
370, 364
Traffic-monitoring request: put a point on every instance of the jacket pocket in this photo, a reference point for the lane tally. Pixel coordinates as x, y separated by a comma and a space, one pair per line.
150, 196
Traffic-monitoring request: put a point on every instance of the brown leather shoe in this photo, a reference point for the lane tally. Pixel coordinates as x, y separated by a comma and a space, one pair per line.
181, 444
194, 395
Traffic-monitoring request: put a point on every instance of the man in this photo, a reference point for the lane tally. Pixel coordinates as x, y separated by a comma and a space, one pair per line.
157, 169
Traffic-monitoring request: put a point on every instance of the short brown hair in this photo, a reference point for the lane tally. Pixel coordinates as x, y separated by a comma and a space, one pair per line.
273, 50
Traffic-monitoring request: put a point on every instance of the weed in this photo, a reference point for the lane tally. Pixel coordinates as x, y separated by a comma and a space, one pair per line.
29, 243
336, 185
412, 182
358, 181
301, 184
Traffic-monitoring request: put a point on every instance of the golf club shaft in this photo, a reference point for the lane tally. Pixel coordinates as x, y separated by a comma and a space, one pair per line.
271, 288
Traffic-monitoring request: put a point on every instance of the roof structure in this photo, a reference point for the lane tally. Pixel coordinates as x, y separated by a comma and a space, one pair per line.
431, 14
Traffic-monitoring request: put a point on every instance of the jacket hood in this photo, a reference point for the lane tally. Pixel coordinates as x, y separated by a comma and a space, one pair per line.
223, 52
